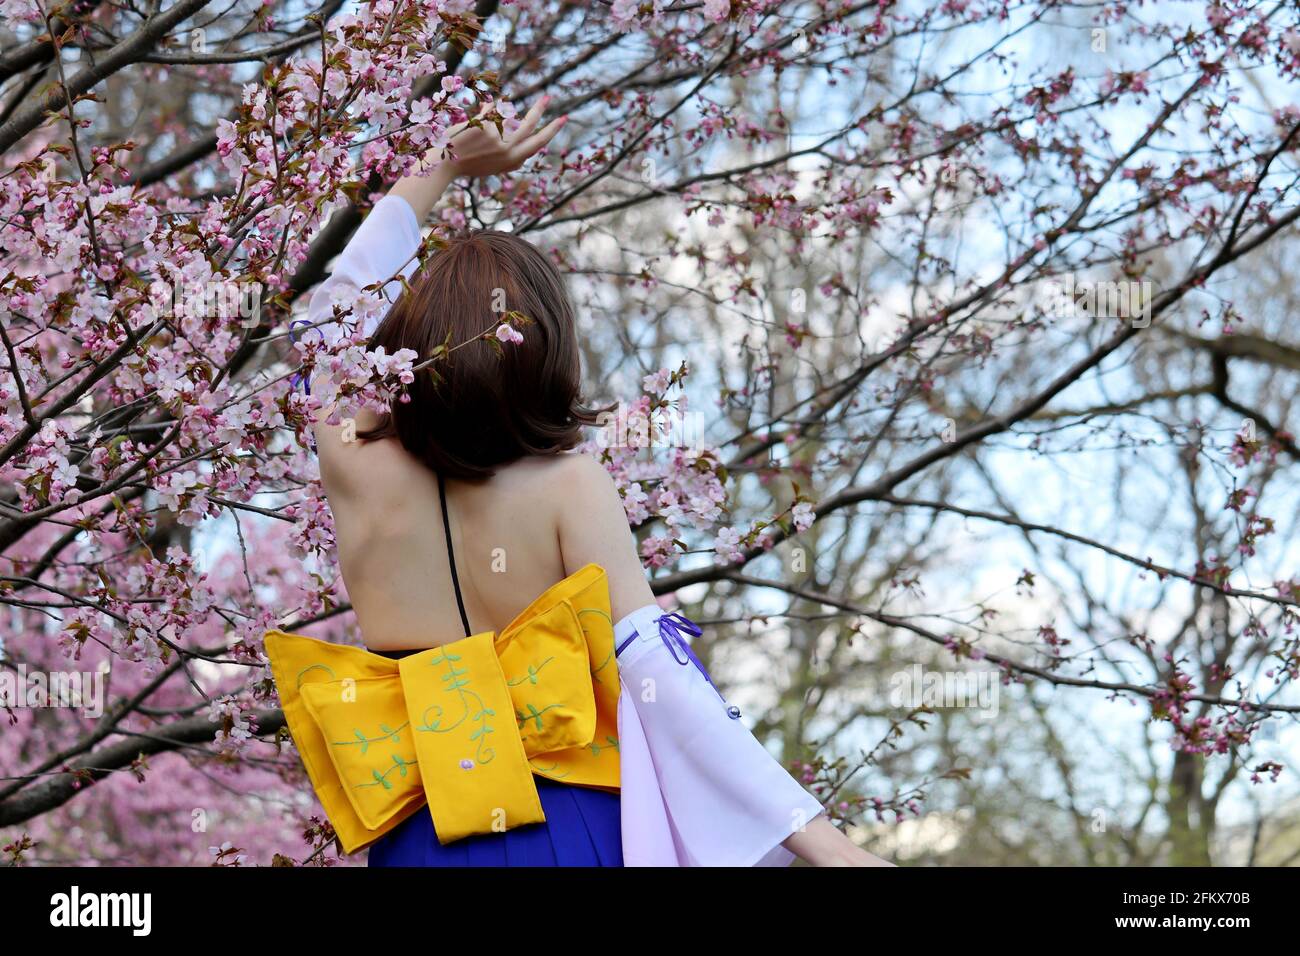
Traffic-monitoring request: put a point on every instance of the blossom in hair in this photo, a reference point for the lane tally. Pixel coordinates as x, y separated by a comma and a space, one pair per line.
508, 333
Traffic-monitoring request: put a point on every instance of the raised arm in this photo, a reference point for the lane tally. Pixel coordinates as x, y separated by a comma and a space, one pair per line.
385, 246
477, 151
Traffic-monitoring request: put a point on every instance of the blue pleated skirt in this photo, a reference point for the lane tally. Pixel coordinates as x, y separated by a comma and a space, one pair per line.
582, 828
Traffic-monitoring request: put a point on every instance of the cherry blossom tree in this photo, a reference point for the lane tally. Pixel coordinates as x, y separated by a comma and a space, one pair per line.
935, 331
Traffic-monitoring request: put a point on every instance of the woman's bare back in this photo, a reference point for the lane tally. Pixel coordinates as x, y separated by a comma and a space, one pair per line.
514, 535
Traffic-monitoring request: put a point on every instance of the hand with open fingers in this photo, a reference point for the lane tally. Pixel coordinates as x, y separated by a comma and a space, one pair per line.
475, 148
483, 151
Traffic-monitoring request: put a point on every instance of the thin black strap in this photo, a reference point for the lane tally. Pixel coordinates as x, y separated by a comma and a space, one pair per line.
451, 555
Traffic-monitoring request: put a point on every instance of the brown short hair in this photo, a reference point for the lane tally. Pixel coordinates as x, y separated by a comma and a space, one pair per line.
480, 406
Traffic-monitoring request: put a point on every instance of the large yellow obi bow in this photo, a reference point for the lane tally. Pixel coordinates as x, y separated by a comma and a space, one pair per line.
463, 726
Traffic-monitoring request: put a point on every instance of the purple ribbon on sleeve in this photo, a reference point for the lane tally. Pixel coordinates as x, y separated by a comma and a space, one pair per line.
673, 629
299, 377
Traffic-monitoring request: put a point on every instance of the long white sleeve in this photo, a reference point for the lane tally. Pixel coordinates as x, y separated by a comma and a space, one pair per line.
697, 788
383, 245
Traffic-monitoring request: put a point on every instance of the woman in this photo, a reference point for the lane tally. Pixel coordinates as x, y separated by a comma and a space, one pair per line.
480, 557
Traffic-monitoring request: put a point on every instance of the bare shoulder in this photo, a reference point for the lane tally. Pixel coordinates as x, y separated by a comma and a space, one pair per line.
583, 467
374, 471
577, 478
593, 527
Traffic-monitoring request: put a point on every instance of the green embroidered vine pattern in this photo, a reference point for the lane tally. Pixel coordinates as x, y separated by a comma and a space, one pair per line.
457, 682
364, 742
393, 735
596, 610
595, 674
611, 742
313, 667
531, 676
381, 779
549, 771
534, 715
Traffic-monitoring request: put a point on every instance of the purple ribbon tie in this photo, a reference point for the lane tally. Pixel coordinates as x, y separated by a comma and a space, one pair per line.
299, 377
673, 629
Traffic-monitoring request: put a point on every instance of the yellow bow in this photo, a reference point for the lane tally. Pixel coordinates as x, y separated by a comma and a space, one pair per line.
463, 726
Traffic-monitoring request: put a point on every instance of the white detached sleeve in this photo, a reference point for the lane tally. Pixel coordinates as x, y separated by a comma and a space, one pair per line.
384, 244
697, 787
